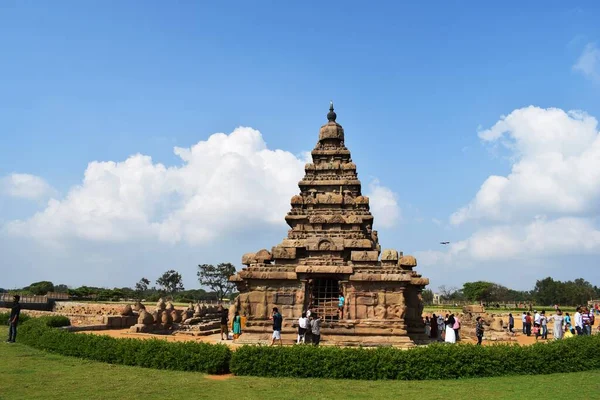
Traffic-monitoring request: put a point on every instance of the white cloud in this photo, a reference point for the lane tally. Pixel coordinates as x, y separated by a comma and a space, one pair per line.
546, 207
226, 184
384, 205
538, 239
588, 63
26, 186
555, 167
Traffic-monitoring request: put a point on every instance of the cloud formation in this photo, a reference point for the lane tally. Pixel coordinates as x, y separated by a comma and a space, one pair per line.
588, 63
225, 184
549, 203
26, 186
555, 167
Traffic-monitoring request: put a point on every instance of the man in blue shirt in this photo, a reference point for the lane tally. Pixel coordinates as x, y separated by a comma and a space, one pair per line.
15, 311
341, 301
277, 322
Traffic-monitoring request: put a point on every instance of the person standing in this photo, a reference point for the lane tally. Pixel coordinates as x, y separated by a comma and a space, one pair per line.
586, 322
224, 322
544, 325
528, 324
315, 327
441, 327
567, 319
433, 334
456, 328
479, 330
511, 323
15, 312
237, 325
341, 302
302, 327
277, 322
578, 321
557, 331
524, 321
450, 335
427, 326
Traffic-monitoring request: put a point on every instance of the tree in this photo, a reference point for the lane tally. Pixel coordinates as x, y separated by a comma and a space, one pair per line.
41, 288
217, 278
478, 291
61, 288
170, 282
427, 296
450, 294
142, 287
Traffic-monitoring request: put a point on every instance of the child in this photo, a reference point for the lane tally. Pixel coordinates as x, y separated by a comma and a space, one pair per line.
479, 330
536, 331
568, 331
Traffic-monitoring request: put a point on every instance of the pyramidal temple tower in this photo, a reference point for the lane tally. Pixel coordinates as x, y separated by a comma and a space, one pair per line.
332, 249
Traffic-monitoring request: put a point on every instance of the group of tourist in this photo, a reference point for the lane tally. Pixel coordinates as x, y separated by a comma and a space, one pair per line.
443, 328
236, 325
309, 327
581, 324
447, 328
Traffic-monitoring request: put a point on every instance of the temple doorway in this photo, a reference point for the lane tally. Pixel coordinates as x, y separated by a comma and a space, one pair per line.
324, 297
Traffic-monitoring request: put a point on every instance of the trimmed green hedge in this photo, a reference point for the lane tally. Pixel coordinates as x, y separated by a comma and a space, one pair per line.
5, 316
153, 353
437, 361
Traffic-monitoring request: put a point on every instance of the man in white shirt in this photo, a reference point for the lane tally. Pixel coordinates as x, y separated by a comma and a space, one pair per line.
536, 318
302, 326
578, 321
523, 320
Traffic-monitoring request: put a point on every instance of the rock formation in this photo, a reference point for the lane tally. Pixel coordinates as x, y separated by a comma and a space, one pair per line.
331, 248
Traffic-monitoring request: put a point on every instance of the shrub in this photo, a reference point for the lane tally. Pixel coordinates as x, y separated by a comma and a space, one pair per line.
154, 353
437, 361
5, 316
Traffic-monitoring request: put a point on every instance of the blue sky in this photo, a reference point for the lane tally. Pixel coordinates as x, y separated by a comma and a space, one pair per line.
413, 86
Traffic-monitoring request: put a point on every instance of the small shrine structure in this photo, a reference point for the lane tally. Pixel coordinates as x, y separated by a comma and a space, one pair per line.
332, 249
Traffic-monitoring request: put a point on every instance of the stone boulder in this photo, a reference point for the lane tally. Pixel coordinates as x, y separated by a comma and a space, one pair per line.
169, 306
145, 318
176, 316
160, 305
127, 311
166, 318
474, 309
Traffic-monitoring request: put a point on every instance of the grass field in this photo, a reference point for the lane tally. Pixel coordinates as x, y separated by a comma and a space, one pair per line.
27, 373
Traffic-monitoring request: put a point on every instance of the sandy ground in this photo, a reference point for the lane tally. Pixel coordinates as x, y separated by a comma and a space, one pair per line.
216, 338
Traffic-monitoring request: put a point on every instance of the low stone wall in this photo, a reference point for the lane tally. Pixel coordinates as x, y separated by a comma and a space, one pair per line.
68, 307
76, 319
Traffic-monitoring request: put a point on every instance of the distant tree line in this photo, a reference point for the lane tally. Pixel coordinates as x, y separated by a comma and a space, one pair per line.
545, 292
169, 284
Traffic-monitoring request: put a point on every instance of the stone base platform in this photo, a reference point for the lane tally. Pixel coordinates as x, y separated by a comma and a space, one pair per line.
343, 333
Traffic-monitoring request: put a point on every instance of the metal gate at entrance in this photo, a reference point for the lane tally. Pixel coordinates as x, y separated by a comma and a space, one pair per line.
324, 296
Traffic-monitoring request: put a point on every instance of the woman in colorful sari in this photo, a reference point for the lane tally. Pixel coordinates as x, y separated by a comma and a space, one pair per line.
237, 325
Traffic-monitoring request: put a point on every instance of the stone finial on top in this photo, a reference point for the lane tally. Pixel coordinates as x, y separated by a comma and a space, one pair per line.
331, 115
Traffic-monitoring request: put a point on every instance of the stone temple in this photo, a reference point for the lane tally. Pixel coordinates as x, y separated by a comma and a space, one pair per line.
330, 249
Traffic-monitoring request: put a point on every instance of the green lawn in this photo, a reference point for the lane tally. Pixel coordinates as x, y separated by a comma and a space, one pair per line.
27, 373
